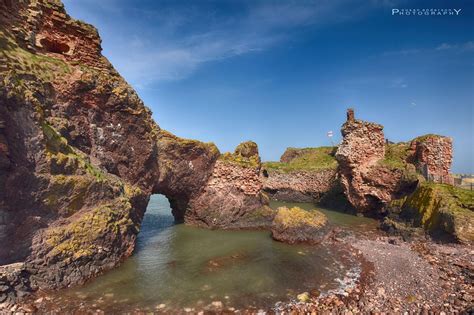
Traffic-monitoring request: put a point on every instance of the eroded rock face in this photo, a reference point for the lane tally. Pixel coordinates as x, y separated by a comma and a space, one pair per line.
368, 184
443, 210
299, 186
233, 193
80, 154
302, 175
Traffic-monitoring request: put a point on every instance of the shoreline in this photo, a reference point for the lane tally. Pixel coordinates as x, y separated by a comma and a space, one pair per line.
395, 276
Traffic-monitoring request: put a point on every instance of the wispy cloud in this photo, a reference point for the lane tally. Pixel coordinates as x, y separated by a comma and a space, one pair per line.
468, 46
399, 83
186, 39
444, 47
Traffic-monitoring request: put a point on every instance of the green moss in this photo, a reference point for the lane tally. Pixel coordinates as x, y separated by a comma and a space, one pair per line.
169, 138
246, 149
67, 192
320, 158
261, 213
81, 237
62, 154
55, 143
253, 161
296, 217
442, 208
427, 136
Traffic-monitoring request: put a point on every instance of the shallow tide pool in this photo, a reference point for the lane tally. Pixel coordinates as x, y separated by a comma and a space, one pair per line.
182, 266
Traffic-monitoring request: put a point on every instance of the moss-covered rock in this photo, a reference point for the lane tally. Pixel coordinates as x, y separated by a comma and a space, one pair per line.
245, 155
295, 225
247, 149
442, 210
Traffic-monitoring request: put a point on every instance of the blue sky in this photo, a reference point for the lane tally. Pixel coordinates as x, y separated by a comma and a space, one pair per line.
282, 73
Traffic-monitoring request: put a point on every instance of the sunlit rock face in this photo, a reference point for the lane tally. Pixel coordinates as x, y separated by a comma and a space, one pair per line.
295, 225
368, 183
433, 156
232, 197
302, 175
80, 154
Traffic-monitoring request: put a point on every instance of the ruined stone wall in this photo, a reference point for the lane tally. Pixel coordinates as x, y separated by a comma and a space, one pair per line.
433, 156
368, 184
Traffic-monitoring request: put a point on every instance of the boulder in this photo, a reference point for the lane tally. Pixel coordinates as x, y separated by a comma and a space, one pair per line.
295, 225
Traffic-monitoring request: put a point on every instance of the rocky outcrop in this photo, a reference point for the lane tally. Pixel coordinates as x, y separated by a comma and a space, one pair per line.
80, 155
302, 175
14, 282
299, 186
233, 193
368, 182
433, 156
185, 167
442, 210
295, 225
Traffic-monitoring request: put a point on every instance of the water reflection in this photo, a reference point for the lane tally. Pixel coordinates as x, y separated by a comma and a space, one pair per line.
184, 266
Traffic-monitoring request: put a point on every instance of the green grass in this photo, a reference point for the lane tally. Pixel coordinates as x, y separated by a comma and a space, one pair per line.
424, 137
21, 61
396, 155
312, 159
253, 161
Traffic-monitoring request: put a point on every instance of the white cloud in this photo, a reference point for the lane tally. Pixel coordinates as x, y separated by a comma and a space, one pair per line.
444, 47
399, 83
468, 46
176, 50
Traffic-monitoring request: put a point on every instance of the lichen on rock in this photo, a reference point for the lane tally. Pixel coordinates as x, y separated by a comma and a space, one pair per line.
442, 210
80, 154
295, 225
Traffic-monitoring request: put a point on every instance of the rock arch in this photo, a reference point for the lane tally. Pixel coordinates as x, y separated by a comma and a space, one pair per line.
81, 156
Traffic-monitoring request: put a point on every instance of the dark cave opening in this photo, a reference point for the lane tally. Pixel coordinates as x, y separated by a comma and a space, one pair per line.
54, 46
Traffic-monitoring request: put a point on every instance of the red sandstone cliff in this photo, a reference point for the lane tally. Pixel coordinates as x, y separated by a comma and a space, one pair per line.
80, 155
374, 172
